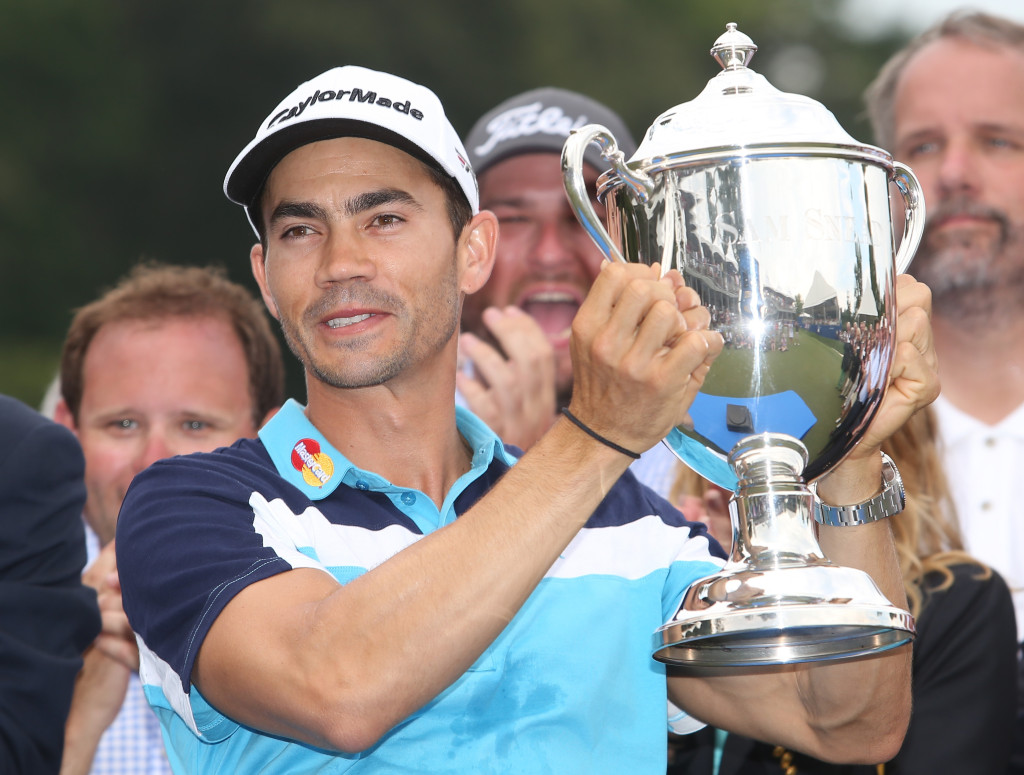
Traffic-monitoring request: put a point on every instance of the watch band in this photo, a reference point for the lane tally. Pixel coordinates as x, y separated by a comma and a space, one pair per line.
888, 502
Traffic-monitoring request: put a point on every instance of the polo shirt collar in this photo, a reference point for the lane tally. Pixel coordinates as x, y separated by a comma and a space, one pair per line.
306, 459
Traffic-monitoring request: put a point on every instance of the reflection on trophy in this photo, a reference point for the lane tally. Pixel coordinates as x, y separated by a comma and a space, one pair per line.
781, 221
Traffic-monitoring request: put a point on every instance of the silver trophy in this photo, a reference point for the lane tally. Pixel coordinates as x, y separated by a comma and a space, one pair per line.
781, 221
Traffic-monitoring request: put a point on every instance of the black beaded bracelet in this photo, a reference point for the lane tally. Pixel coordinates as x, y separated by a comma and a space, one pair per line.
593, 434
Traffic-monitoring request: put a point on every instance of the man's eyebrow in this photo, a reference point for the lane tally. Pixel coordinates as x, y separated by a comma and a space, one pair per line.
288, 209
353, 206
1000, 127
370, 199
929, 131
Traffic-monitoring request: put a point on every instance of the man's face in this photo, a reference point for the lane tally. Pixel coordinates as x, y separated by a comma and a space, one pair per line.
959, 124
545, 262
152, 389
361, 265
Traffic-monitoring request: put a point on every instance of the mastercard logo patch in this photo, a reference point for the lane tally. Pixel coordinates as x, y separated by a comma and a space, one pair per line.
315, 466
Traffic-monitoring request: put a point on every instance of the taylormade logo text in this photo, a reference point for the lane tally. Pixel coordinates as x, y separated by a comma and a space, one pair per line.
352, 95
528, 120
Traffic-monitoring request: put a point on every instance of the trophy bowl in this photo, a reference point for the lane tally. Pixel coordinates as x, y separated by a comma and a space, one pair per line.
781, 222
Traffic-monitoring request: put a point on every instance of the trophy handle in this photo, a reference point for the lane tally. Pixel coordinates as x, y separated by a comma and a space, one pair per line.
913, 224
576, 189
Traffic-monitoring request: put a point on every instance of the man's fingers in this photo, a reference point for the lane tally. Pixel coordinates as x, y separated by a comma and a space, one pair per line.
662, 325
915, 360
641, 350
119, 649
912, 293
687, 298
519, 335
913, 323
487, 362
116, 623
915, 329
512, 391
643, 298
479, 399
105, 563
913, 378
913, 375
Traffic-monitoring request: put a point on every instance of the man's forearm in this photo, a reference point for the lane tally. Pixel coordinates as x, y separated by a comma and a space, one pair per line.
869, 698
853, 701
432, 609
845, 710
99, 694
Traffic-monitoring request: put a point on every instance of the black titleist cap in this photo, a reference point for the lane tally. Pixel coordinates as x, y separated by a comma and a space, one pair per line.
540, 120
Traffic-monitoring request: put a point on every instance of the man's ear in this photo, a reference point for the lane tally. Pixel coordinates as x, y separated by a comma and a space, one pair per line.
257, 259
62, 414
477, 245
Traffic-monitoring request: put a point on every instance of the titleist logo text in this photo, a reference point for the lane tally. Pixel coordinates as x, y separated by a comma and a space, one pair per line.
528, 120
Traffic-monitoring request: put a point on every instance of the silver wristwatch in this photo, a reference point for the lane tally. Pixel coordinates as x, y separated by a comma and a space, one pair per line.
888, 502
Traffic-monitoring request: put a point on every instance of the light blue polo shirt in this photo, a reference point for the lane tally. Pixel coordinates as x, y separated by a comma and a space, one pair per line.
569, 685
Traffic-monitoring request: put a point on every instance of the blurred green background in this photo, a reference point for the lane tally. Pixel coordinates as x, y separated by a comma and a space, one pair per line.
121, 117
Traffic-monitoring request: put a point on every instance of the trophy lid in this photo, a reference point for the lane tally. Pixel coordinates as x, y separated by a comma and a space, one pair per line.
738, 108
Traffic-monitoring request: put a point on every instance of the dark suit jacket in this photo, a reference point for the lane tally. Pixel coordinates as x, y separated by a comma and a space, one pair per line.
47, 616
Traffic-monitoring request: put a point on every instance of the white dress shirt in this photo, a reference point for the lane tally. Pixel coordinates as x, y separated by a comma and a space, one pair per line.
985, 467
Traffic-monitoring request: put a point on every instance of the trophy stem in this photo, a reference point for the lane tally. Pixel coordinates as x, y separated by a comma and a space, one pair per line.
778, 599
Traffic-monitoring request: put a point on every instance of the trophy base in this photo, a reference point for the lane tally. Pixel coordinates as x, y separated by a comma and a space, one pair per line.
781, 616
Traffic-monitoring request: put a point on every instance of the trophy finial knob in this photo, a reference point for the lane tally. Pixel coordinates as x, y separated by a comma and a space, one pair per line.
733, 49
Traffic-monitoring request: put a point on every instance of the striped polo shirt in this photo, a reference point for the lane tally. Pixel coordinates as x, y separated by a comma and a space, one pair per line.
568, 686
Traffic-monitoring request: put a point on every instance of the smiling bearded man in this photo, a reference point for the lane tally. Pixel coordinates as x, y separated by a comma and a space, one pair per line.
517, 369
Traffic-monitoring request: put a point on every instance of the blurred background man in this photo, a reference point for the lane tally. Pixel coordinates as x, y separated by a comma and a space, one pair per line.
546, 262
172, 360
951, 105
516, 370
